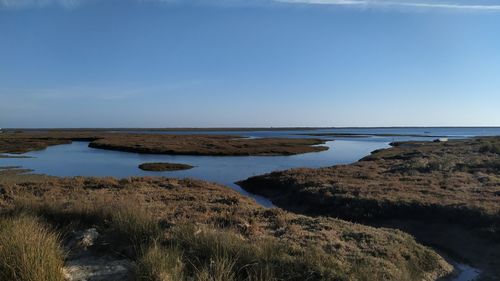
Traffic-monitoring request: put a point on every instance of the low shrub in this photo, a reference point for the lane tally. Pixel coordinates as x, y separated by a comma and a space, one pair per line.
492, 147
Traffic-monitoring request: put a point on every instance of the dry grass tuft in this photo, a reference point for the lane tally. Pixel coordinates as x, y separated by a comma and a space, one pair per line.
129, 223
29, 251
159, 263
220, 255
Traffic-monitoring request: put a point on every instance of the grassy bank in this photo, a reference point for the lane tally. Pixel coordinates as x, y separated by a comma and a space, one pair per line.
456, 181
192, 230
451, 185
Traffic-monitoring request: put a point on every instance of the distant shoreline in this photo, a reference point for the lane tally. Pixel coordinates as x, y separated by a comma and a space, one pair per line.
180, 129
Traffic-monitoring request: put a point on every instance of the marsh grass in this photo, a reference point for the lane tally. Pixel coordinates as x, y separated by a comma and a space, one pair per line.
218, 255
490, 146
133, 225
129, 223
160, 263
29, 250
183, 252
180, 250
492, 166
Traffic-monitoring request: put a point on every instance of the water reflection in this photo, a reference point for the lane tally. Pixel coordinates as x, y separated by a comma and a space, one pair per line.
77, 159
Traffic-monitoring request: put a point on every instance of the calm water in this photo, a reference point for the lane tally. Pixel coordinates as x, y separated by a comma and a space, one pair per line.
77, 159
451, 132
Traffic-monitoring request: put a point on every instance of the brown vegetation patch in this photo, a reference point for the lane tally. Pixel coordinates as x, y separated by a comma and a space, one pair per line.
208, 145
451, 183
22, 142
160, 167
218, 145
457, 181
204, 231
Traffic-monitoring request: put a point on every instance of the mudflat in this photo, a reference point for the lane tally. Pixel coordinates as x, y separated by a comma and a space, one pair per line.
216, 145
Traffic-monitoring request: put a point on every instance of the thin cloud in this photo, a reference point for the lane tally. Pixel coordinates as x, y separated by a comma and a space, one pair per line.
465, 5
382, 3
15, 4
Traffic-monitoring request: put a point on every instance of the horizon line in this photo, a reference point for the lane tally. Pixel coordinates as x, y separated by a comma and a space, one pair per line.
238, 128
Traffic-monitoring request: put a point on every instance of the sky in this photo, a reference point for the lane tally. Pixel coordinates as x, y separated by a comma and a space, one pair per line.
249, 63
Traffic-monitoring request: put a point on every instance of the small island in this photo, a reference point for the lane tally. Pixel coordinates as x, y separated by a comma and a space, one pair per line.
162, 167
200, 145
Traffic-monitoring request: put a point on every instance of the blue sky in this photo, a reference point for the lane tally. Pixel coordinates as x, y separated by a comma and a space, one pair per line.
195, 63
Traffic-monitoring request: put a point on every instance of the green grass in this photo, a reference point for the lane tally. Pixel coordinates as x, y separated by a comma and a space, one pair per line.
29, 251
